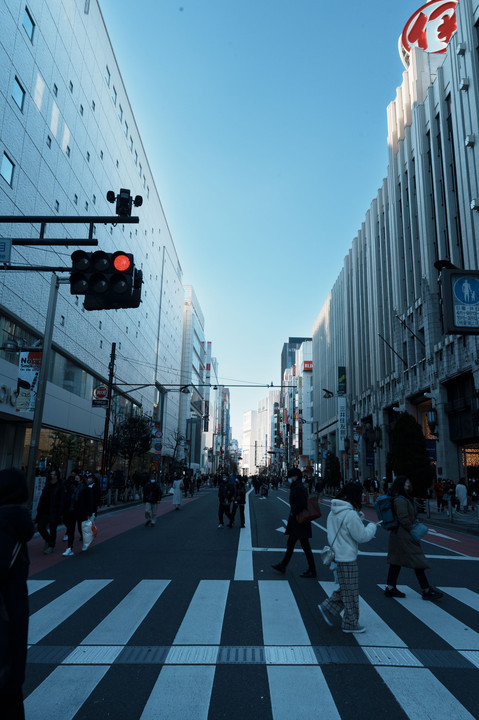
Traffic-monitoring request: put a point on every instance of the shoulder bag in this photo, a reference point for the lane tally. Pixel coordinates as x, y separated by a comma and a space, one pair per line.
418, 530
327, 553
311, 511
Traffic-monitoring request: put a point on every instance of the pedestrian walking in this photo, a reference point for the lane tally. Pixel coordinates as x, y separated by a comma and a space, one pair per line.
461, 495
298, 500
345, 532
239, 501
73, 487
86, 510
439, 492
403, 549
225, 495
16, 529
49, 510
177, 488
151, 498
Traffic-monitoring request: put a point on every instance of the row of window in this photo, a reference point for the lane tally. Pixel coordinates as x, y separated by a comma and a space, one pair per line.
114, 96
18, 95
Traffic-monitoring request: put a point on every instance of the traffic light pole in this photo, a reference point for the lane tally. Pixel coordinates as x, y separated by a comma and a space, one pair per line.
111, 368
42, 384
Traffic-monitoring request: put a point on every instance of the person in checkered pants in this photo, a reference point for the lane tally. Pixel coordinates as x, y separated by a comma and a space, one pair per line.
345, 531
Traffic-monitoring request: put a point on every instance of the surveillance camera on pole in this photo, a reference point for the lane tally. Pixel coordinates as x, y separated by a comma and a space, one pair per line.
124, 201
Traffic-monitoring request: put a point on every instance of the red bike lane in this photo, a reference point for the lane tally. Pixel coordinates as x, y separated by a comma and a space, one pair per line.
109, 524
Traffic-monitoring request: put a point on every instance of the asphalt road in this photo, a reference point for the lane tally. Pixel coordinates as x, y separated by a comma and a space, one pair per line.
188, 620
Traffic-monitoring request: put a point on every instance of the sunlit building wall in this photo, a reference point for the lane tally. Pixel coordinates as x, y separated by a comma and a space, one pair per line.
67, 136
382, 320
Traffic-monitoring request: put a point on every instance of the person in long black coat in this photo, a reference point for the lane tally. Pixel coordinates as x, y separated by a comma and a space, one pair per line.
298, 500
16, 529
49, 510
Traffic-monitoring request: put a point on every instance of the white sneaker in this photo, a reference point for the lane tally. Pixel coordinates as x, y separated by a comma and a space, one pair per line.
68, 552
357, 629
65, 538
220, 525
84, 548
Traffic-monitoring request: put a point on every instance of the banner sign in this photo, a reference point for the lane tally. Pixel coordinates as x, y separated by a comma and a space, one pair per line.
341, 380
341, 422
27, 383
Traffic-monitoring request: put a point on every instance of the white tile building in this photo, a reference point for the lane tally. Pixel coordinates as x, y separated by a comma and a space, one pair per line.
67, 136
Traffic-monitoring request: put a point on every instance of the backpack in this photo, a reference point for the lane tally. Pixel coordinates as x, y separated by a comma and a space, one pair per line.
385, 512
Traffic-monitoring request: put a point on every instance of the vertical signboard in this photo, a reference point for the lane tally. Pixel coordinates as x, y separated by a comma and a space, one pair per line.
341, 422
27, 383
341, 380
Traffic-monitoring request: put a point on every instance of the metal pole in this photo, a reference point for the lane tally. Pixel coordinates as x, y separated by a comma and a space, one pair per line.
42, 386
111, 368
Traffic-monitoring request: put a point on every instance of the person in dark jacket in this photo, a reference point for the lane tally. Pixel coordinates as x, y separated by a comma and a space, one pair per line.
151, 498
403, 549
73, 487
225, 495
298, 500
239, 501
16, 529
49, 510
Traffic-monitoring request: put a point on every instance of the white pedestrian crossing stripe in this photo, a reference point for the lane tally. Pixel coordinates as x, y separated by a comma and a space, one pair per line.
292, 664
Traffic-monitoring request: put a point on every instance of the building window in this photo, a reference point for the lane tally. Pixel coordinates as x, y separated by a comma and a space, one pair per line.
117, 164
18, 93
75, 199
101, 154
62, 320
136, 158
94, 199
28, 24
86, 204
147, 191
68, 151
131, 144
114, 95
120, 113
7, 168
55, 90
126, 129
81, 110
101, 343
139, 170
107, 75
71, 86
57, 206
93, 106
49, 141
88, 156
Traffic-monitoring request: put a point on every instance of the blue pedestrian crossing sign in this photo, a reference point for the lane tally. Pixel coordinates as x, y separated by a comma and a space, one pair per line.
460, 289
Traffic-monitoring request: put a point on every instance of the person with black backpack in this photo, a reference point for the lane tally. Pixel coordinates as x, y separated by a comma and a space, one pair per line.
16, 529
151, 498
403, 549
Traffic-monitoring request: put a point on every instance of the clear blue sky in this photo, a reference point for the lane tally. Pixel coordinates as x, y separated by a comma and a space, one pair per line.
264, 122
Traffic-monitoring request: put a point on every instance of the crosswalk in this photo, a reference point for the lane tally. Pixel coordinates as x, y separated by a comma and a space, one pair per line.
87, 641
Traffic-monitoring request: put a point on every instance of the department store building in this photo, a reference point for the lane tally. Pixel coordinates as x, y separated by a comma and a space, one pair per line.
67, 136
384, 318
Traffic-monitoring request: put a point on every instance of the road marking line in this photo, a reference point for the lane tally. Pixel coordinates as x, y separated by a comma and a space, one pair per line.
61, 695
52, 615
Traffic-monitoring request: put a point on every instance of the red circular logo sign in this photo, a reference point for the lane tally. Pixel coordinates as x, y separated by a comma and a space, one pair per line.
100, 392
431, 27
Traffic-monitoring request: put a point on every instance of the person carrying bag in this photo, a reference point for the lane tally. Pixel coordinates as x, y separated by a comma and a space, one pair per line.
345, 532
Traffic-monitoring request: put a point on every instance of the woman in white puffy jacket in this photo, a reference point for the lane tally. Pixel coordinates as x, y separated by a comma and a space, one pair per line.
345, 531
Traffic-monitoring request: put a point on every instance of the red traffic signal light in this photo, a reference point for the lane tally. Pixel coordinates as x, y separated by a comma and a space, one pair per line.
107, 280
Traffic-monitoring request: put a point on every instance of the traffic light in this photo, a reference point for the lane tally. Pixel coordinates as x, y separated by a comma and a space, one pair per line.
108, 281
